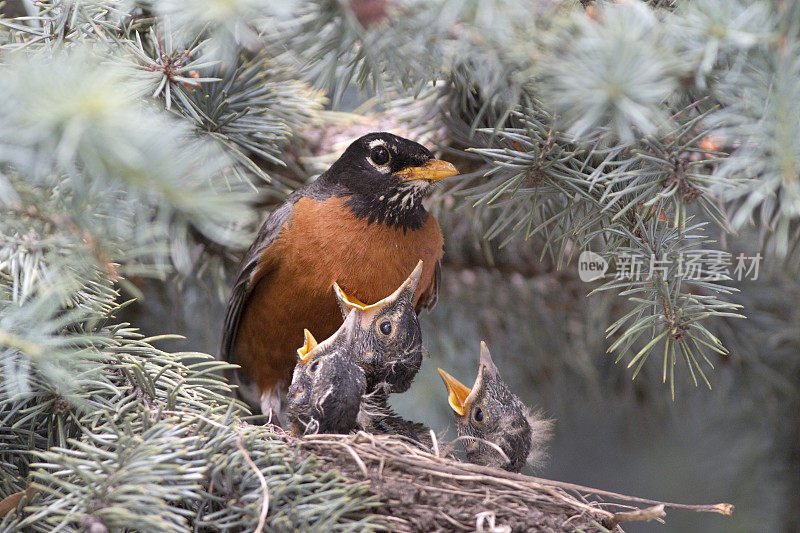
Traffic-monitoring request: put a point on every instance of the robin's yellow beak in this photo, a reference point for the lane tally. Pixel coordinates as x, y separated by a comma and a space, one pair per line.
457, 393
304, 352
433, 170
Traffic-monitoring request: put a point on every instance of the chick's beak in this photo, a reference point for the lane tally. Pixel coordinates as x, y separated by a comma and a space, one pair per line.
350, 327
304, 352
457, 393
347, 301
433, 170
408, 286
487, 362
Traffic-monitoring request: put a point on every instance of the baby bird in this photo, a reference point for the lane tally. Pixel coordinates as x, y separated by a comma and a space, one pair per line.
389, 339
343, 384
375, 416
489, 416
389, 349
327, 384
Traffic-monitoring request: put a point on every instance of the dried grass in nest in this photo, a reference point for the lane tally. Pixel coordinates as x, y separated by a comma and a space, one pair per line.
421, 491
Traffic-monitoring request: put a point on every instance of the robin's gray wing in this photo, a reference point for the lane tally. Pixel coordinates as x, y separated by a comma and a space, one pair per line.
428, 299
254, 267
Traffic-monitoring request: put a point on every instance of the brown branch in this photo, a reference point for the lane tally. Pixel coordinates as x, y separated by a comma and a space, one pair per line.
719, 508
639, 515
12, 501
688, 107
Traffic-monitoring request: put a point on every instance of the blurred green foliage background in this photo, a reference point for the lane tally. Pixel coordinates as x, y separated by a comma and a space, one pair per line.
142, 142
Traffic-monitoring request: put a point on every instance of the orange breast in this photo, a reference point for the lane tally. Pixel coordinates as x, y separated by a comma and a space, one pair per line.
321, 244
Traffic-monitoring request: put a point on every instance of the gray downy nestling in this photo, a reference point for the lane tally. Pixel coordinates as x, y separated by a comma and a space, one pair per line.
489, 416
327, 384
389, 340
375, 416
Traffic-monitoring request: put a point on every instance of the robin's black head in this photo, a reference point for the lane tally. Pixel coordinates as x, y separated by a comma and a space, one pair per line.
386, 177
389, 339
491, 413
327, 385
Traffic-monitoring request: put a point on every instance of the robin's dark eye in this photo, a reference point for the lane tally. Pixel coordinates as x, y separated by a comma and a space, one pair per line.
478, 415
386, 327
379, 155
314, 366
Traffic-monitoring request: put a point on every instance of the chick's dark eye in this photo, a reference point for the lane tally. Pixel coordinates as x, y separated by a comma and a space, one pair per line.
314, 366
478, 415
386, 327
379, 155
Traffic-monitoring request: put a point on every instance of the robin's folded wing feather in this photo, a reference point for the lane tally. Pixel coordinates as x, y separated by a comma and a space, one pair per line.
428, 299
255, 266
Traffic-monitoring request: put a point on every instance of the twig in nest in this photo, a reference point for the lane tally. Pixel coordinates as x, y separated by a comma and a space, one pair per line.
489, 516
655, 512
460, 492
357, 459
449, 448
435, 442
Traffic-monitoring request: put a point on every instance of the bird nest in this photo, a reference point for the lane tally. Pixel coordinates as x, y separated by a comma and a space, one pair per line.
421, 491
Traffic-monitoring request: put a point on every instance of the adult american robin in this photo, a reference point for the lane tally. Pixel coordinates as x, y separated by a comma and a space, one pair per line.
389, 342
328, 384
489, 417
361, 224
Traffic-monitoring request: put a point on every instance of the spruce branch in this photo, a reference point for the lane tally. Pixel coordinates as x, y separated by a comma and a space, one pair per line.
612, 71
252, 110
760, 115
155, 161
228, 25
632, 200
165, 66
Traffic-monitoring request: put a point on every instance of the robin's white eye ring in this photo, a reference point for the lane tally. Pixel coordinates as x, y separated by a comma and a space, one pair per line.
380, 155
386, 327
